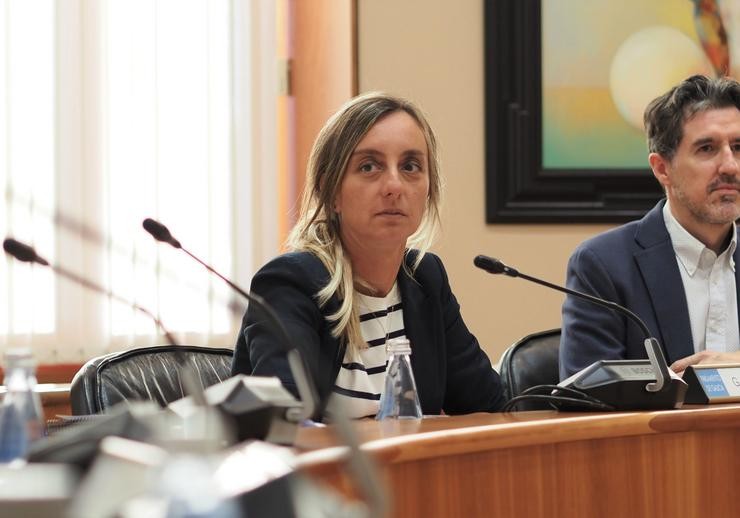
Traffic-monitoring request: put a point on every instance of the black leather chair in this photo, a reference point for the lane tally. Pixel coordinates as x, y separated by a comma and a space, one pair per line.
146, 373
531, 361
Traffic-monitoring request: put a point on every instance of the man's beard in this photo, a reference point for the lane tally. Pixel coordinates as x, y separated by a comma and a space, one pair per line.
724, 210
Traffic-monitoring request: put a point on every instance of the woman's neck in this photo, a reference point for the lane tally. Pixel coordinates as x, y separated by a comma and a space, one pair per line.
378, 269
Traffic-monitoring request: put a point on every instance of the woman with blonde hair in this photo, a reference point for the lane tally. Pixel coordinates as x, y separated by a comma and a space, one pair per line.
359, 272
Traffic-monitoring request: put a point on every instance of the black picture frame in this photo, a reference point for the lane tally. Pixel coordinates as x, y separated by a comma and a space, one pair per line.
518, 188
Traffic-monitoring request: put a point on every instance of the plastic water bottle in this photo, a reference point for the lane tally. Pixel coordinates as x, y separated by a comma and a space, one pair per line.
399, 399
21, 417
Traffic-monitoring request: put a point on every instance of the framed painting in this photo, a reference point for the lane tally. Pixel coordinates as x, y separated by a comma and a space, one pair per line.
567, 82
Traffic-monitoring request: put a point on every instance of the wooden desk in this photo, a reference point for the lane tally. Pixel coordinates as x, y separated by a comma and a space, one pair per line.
54, 398
665, 463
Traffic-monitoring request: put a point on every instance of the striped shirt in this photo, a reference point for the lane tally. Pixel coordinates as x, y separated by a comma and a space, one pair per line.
362, 374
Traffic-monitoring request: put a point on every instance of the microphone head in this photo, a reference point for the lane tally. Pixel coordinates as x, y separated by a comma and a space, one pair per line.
160, 232
489, 264
22, 252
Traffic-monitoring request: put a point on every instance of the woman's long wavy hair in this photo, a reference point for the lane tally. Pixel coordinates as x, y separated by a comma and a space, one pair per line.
317, 228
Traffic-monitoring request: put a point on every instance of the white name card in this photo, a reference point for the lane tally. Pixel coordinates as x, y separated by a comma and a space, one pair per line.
712, 383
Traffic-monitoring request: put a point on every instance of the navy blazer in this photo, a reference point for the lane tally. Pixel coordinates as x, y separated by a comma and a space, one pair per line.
634, 265
452, 373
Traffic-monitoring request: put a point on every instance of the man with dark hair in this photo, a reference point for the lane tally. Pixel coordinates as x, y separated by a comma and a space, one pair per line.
675, 267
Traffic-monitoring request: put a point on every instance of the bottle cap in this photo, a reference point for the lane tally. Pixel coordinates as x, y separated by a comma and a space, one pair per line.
19, 355
398, 346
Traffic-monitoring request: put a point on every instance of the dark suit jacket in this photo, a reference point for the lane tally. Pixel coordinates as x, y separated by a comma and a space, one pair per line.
452, 372
635, 266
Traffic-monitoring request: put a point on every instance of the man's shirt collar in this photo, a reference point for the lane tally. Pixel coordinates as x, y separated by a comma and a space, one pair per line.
690, 250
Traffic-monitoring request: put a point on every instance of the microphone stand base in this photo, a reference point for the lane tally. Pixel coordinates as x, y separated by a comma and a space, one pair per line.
258, 408
622, 385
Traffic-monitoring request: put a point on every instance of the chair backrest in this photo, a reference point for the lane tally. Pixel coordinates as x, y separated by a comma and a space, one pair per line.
146, 373
531, 361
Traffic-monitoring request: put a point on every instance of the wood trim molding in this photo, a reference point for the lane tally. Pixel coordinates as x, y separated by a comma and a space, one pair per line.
324, 69
54, 373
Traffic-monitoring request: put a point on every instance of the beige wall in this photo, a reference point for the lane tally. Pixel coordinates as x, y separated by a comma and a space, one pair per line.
432, 51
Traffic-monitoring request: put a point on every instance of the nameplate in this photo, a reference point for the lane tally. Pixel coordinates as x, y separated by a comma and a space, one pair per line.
712, 383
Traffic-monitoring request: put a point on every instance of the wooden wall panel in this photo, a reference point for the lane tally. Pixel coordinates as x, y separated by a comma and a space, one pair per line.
324, 70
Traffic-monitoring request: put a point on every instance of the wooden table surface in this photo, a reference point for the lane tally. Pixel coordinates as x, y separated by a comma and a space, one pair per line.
54, 398
654, 463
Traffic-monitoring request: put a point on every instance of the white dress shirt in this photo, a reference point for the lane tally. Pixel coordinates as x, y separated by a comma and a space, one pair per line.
709, 284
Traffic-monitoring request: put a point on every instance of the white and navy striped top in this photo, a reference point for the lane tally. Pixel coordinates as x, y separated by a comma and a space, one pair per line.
362, 373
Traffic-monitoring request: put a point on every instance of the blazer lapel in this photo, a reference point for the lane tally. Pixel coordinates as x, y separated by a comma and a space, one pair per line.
423, 331
657, 263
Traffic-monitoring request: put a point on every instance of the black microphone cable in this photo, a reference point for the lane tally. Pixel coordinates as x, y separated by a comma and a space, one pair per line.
559, 398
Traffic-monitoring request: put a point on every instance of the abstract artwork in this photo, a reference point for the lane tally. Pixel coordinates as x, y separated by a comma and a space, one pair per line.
567, 82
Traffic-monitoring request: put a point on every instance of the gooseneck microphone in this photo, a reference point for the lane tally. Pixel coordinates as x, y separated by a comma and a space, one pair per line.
360, 465
654, 351
162, 233
614, 372
27, 254
492, 265
306, 389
